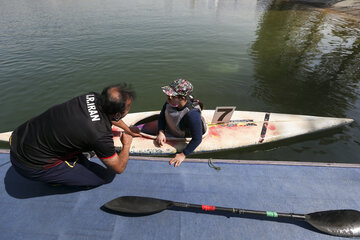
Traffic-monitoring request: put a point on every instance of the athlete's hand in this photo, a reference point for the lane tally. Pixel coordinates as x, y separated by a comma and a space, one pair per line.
161, 138
178, 159
126, 139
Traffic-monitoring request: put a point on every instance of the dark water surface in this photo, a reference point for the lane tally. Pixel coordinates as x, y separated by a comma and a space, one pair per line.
256, 55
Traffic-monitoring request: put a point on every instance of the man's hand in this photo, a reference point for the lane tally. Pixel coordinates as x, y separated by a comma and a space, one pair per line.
178, 159
126, 139
161, 138
133, 130
119, 161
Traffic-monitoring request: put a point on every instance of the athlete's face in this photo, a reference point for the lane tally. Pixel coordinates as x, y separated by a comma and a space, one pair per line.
174, 101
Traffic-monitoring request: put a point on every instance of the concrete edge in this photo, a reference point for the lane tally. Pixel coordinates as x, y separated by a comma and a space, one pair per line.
231, 161
253, 162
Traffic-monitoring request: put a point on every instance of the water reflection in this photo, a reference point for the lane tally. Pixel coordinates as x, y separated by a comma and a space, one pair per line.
218, 4
306, 61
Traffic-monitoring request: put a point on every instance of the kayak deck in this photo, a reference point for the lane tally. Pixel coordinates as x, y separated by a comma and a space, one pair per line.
32, 210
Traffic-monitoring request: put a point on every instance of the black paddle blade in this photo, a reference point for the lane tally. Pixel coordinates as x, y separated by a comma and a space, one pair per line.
137, 205
342, 223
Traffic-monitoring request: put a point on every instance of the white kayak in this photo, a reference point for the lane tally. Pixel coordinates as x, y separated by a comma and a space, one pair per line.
243, 130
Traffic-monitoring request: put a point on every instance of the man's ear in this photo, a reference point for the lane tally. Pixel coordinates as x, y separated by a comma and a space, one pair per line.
117, 117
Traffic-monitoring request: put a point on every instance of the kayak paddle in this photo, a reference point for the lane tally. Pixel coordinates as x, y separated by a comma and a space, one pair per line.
343, 223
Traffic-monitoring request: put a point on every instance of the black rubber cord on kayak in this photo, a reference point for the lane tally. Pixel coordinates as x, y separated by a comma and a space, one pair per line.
211, 164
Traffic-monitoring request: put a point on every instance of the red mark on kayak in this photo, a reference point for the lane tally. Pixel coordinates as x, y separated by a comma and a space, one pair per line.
271, 127
213, 131
208, 208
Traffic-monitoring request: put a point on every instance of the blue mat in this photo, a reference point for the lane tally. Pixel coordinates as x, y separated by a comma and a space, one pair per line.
31, 210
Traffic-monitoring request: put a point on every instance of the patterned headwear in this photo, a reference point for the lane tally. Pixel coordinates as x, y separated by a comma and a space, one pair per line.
178, 87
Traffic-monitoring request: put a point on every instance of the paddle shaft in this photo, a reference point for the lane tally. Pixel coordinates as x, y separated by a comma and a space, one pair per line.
343, 223
239, 211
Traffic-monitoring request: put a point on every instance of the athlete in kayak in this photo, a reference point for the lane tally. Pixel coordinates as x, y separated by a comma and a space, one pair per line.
48, 148
180, 117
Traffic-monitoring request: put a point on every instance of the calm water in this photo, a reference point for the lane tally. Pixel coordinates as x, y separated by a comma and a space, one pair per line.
258, 55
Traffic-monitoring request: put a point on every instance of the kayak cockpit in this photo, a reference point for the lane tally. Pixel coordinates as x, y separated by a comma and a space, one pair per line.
149, 128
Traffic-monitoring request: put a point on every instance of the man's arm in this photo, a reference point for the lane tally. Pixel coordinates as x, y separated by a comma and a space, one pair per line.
127, 129
119, 161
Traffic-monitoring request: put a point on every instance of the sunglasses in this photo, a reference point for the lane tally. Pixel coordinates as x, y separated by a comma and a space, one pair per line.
172, 97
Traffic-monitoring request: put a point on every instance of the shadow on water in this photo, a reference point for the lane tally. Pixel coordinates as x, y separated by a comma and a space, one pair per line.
19, 187
306, 61
315, 3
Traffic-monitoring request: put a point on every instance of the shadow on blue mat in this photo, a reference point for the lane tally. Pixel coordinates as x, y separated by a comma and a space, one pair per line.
19, 187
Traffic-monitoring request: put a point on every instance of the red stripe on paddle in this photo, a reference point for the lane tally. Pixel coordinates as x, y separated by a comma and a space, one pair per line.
208, 208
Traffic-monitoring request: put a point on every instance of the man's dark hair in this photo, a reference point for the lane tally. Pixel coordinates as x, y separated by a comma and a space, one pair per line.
113, 98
